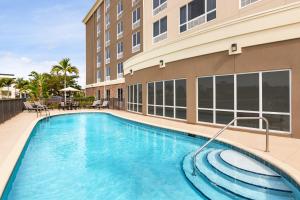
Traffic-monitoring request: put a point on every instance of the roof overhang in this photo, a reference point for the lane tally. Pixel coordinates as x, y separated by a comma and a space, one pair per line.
92, 10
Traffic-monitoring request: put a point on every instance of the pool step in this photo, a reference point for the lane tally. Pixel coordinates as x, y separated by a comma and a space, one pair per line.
273, 183
232, 180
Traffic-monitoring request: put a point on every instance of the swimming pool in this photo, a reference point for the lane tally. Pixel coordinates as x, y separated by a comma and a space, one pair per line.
100, 156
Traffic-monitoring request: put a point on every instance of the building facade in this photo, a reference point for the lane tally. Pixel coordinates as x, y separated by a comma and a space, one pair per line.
209, 61
113, 35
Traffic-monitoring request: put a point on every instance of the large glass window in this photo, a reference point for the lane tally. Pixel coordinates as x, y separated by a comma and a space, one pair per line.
197, 12
157, 3
120, 7
167, 98
136, 39
260, 94
160, 26
136, 15
134, 98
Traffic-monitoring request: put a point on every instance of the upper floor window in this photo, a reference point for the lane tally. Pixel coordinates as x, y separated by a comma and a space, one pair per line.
136, 39
197, 12
99, 75
120, 47
120, 68
136, 15
98, 14
107, 19
107, 70
107, 4
160, 26
120, 27
245, 3
157, 3
107, 53
120, 7
98, 45
107, 36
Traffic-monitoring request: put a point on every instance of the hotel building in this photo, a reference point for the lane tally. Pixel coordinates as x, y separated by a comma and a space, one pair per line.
207, 61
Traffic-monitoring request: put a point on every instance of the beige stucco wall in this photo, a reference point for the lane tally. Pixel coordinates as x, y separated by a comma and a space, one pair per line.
226, 11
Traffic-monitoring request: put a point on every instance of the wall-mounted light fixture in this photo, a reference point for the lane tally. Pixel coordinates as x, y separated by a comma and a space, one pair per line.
161, 64
234, 47
131, 72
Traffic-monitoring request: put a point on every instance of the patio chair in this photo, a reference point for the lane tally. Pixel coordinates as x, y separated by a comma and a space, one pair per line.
96, 104
42, 107
75, 105
29, 108
105, 104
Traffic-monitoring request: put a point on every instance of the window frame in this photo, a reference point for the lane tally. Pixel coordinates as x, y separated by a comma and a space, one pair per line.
260, 112
136, 33
164, 106
135, 13
249, 4
135, 97
159, 27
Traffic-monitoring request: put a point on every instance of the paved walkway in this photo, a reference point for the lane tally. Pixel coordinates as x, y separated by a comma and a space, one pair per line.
284, 151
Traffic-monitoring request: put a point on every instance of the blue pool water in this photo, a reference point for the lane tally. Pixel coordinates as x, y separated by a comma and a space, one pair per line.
99, 156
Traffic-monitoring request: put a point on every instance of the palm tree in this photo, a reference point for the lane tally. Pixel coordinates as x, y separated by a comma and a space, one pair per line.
7, 82
21, 85
38, 85
64, 67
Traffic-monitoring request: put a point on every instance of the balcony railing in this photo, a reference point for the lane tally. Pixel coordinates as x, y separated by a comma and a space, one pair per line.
119, 35
136, 48
107, 78
119, 15
98, 64
107, 43
160, 8
160, 37
136, 24
107, 60
120, 55
120, 75
107, 26
197, 21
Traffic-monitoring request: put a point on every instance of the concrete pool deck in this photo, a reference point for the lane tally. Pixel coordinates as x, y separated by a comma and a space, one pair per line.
284, 151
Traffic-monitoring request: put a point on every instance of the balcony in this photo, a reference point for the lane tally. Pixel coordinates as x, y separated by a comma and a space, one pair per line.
120, 55
136, 48
135, 2
160, 37
107, 78
107, 60
160, 8
119, 35
136, 24
120, 75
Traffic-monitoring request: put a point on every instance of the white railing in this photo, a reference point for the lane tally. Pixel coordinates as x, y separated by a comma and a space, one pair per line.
107, 60
119, 35
98, 49
107, 7
120, 75
98, 64
107, 26
160, 37
134, 2
136, 24
107, 78
136, 48
107, 43
98, 33
197, 21
120, 55
119, 15
160, 8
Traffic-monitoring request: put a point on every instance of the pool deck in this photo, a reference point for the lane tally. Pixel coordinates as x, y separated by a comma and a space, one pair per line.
284, 151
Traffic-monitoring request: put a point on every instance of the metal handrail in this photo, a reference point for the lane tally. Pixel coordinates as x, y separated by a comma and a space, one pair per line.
223, 129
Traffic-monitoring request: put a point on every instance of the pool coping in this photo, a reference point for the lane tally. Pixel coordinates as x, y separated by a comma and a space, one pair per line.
7, 167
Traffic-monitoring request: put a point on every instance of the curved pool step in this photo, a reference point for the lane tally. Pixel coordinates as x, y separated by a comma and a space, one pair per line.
273, 183
201, 183
243, 162
218, 180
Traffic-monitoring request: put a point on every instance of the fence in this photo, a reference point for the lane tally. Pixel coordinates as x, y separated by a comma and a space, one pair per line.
10, 108
115, 103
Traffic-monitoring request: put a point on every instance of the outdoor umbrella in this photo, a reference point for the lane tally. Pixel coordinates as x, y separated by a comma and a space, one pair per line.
68, 89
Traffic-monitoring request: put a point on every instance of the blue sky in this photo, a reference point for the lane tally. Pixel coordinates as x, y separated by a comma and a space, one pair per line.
35, 34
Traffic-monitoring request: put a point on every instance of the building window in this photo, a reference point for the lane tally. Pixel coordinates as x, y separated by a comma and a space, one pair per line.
136, 41
98, 45
107, 38
245, 3
260, 94
120, 70
98, 30
98, 74
160, 28
107, 55
120, 94
98, 14
120, 50
136, 15
197, 12
134, 98
120, 7
107, 4
107, 73
167, 98
98, 60
157, 3
120, 28
107, 20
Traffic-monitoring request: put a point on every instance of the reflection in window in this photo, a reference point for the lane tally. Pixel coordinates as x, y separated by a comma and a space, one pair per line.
134, 98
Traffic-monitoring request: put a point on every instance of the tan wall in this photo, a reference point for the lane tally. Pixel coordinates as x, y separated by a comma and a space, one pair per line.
113, 91
281, 55
226, 11
91, 50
